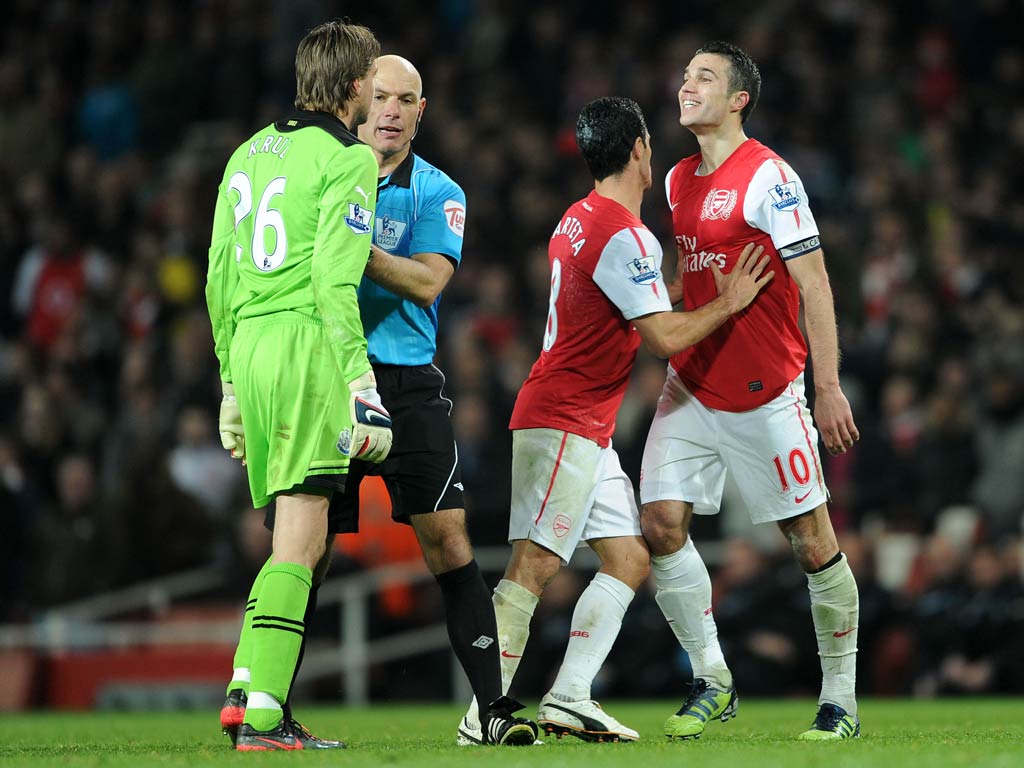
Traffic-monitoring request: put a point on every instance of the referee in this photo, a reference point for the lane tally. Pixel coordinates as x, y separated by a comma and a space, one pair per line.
417, 244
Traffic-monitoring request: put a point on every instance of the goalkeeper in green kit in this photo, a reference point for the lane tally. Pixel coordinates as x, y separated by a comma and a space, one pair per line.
291, 237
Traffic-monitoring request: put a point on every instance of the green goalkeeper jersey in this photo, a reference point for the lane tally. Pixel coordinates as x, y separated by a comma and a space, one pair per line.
292, 233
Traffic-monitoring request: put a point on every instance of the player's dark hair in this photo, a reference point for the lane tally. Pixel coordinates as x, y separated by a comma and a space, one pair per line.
606, 131
743, 72
329, 60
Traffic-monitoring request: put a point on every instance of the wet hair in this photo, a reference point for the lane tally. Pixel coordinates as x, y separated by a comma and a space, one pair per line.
606, 131
743, 72
329, 60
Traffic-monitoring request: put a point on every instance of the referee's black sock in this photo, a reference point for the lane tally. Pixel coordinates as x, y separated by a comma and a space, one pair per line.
472, 629
307, 619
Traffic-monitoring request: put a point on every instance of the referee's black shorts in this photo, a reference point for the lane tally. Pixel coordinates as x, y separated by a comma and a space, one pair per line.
422, 471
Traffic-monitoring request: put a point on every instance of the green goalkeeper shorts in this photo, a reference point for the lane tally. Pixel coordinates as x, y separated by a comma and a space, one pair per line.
294, 405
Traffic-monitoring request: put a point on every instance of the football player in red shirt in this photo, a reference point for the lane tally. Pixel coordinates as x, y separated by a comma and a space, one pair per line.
734, 402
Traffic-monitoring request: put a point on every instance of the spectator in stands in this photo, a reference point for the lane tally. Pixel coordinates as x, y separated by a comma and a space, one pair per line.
74, 538
999, 489
200, 467
54, 280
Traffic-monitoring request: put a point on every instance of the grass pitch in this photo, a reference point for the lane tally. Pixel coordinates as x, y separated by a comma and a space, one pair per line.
896, 734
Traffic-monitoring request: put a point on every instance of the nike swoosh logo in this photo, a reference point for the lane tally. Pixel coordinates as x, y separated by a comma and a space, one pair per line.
380, 418
508, 655
844, 634
799, 499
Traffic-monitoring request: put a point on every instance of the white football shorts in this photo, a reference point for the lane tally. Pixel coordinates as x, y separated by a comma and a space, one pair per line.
771, 451
567, 490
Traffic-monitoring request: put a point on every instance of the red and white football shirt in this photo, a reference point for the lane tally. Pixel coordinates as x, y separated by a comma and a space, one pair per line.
605, 271
753, 197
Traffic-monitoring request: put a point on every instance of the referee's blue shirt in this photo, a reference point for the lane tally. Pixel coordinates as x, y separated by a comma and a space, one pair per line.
419, 210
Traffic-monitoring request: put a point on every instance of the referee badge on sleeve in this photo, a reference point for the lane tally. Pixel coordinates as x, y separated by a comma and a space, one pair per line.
455, 216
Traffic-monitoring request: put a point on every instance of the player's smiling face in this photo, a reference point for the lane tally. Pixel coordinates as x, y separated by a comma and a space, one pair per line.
395, 110
704, 98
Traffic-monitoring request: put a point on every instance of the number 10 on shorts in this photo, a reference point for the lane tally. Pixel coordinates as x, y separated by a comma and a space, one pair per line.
799, 469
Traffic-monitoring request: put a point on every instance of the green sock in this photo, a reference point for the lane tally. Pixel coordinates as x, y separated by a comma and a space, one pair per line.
277, 631
243, 652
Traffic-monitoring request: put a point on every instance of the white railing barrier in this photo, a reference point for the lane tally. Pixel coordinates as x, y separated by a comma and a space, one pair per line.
89, 624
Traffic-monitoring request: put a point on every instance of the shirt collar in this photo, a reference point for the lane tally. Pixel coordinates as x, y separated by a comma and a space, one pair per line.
401, 176
300, 118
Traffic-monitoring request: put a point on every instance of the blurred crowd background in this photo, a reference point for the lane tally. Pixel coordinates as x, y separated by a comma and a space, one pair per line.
905, 121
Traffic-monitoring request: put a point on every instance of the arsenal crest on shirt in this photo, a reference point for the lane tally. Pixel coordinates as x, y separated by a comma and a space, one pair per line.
718, 204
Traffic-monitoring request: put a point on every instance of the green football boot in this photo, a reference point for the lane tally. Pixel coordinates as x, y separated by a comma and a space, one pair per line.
704, 703
832, 723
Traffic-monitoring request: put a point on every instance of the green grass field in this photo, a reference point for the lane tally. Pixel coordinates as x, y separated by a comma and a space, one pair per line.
896, 734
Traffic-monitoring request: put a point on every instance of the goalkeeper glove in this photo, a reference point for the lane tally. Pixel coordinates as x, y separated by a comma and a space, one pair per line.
232, 436
370, 439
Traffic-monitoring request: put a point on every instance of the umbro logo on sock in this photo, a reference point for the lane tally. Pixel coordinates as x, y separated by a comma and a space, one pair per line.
483, 642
